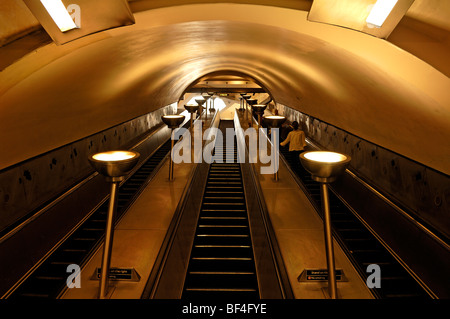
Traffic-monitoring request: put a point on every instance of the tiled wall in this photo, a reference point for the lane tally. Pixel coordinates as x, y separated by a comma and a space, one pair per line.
30, 184
419, 188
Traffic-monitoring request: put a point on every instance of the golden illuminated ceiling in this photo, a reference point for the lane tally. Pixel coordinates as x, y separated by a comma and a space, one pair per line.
367, 86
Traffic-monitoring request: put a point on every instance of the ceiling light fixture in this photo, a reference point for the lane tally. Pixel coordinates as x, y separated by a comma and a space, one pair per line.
59, 14
380, 11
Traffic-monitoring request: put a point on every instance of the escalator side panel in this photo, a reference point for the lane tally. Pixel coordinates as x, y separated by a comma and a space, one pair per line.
426, 254
272, 277
166, 281
359, 244
47, 280
41, 235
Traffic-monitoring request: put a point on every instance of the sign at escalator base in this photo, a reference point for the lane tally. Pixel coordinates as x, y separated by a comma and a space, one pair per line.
128, 274
309, 275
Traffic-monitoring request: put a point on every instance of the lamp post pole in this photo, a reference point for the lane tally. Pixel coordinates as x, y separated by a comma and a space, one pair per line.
114, 165
171, 154
172, 121
109, 234
251, 102
200, 103
191, 109
206, 97
275, 153
275, 122
332, 286
245, 97
211, 101
241, 99
259, 110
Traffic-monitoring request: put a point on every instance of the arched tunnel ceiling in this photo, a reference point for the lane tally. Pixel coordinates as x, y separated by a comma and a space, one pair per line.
359, 83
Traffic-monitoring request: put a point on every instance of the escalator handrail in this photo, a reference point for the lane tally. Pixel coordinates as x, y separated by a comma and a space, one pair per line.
281, 273
153, 281
75, 187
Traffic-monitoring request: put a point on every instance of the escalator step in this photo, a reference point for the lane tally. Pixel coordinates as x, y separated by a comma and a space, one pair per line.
223, 220
222, 251
222, 240
221, 262
221, 280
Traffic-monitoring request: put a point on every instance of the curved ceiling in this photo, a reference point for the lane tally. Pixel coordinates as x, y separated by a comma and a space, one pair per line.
359, 83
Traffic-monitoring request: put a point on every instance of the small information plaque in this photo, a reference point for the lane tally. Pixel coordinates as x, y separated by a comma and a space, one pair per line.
308, 275
128, 274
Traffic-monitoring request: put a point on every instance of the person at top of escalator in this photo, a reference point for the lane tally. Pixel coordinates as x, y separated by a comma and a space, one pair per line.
297, 143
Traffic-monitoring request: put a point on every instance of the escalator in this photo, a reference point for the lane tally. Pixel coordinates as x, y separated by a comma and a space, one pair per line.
359, 244
221, 264
48, 280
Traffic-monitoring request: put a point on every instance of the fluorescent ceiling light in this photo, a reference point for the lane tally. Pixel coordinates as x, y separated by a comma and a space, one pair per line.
380, 12
59, 14
236, 82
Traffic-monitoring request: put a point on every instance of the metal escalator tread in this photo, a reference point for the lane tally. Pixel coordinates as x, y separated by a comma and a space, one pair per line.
49, 279
361, 245
221, 264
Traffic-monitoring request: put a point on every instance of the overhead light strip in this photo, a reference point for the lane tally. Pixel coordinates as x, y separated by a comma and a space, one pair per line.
59, 14
380, 12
